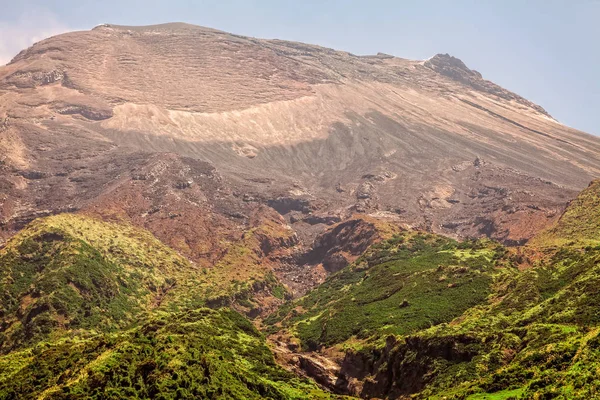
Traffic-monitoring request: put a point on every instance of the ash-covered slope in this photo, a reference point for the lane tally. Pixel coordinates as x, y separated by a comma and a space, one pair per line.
316, 133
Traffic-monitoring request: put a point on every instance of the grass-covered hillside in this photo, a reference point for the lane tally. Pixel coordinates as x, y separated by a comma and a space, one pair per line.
72, 272
399, 286
67, 273
246, 268
535, 338
90, 309
426, 317
200, 354
580, 224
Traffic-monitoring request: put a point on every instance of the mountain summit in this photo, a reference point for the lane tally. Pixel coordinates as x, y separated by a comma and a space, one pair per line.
314, 133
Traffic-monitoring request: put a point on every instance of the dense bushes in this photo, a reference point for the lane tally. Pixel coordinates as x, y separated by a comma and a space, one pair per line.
198, 354
408, 283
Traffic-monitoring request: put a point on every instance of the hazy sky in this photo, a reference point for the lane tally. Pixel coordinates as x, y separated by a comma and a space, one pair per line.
548, 51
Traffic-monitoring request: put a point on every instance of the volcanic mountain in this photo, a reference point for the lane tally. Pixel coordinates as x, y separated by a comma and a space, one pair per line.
200, 135
162, 186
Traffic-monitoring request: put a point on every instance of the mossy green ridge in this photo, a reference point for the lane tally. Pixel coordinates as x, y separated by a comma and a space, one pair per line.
425, 317
580, 223
408, 283
244, 270
91, 309
73, 272
200, 354
70, 272
536, 336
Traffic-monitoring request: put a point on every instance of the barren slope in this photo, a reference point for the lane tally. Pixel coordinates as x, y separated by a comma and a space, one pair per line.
317, 134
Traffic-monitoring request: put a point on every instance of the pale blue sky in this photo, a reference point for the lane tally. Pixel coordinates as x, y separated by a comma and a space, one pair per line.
546, 50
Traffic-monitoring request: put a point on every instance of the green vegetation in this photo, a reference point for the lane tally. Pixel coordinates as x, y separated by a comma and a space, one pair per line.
502, 395
73, 273
530, 334
70, 272
536, 337
91, 309
410, 282
201, 354
580, 224
244, 271
103, 310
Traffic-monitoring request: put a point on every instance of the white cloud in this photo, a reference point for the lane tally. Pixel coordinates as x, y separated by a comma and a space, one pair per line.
32, 26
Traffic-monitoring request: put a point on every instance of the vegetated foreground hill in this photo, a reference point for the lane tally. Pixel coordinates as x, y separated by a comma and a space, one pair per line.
407, 283
315, 133
94, 309
423, 316
103, 310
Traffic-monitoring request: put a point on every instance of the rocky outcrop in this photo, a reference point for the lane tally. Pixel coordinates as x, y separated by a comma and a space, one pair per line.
285, 205
452, 67
343, 243
404, 367
324, 370
33, 78
87, 112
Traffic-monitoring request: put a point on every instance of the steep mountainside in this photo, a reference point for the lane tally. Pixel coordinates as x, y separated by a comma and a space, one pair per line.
103, 310
202, 354
580, 224
187, 213
404, 284
420, 316
94, 309
314, 132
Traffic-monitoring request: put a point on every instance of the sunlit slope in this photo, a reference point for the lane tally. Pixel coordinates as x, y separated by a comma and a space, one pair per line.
579, 225
91, 309
424, 316
197, 354
69, 272
514, 331
399, 286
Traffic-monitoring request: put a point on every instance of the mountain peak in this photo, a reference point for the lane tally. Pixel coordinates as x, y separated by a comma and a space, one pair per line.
450, 65
302, 112
455, 69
